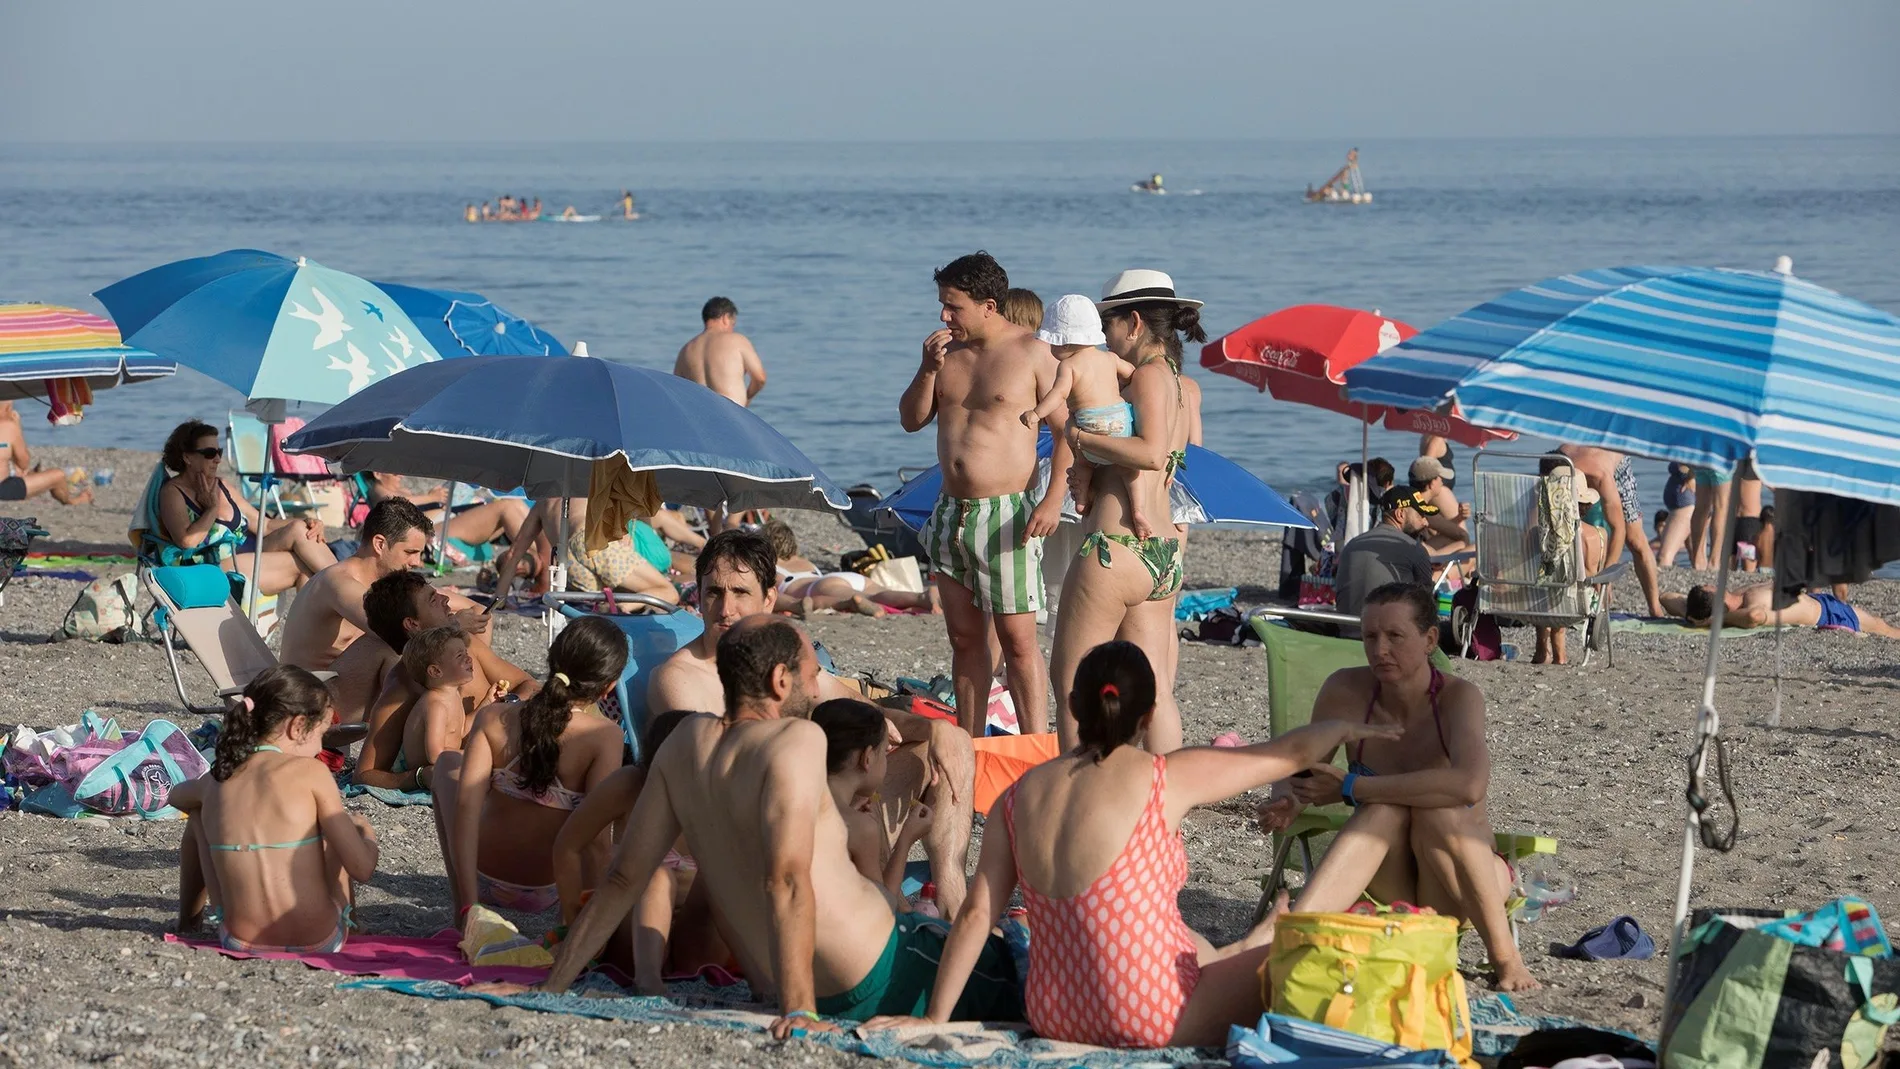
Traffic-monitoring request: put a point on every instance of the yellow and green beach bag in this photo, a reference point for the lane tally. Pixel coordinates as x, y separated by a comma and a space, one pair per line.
1388, 976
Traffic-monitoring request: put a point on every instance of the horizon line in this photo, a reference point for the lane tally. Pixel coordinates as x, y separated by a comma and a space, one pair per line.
1027, 139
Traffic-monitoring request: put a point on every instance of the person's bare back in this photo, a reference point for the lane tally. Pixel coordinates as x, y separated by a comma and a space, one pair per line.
723, 782
720, 358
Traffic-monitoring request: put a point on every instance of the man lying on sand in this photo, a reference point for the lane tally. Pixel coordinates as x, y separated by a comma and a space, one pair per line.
935, 766
397, 606
328, 613
749, 792
1754, 607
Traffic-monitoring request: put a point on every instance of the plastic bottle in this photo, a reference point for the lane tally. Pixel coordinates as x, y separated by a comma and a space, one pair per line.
926, 903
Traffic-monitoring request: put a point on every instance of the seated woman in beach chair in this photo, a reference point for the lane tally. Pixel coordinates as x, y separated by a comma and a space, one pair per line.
640, 563
267, 839
1420, 833
197, 518
524, 767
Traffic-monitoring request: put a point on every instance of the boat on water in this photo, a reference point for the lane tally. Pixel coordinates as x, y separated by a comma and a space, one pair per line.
1151, 185
1346, 186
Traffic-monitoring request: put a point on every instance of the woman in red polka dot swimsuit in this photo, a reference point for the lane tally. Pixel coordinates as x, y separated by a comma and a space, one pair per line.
1093, 839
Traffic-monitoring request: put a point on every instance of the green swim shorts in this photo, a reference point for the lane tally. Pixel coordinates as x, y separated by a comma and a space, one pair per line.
978, 542
900, 982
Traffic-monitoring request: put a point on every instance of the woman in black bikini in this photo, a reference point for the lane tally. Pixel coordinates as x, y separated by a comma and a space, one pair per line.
1421, 833
205, 521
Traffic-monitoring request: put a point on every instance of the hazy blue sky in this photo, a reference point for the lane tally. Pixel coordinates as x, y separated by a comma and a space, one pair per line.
482, 70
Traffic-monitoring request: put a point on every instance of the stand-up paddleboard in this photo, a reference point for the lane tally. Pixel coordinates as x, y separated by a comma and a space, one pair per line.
1139, 188
570, 219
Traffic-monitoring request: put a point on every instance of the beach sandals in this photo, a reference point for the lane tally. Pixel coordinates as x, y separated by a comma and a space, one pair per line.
1622, 938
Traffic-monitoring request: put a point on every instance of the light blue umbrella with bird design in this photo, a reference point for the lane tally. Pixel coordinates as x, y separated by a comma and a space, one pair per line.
272, 328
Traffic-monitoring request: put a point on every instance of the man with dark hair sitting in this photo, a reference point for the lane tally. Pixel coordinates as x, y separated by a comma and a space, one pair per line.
934, 763
1388, 553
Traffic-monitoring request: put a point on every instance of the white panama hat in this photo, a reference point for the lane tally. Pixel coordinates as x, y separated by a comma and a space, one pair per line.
1139, 285
1072, 320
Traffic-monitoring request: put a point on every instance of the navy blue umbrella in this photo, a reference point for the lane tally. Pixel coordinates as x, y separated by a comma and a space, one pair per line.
539, 423
469, 324
1210, 489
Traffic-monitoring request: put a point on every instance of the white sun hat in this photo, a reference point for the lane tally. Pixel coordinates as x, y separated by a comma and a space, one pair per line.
1139, 285
1072, 320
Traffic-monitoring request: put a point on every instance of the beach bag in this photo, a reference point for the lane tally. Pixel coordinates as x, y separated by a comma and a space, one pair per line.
1473, 634
1278, 1040
1387, 976
900, 573
132, 775
1749, 998
105, 611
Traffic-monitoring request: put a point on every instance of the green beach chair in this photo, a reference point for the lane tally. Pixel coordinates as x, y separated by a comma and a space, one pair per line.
1298, 664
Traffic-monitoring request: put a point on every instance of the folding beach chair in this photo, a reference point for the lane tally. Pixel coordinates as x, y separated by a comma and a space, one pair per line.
651, 639
248, 440
1297, 665
1530, 556
195, 606
16, 540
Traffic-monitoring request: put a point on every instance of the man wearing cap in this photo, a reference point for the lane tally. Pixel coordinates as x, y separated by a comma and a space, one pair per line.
984, 537
1444, 518
1388, 553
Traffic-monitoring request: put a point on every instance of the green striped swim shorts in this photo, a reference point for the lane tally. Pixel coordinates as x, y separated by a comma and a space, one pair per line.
978, 542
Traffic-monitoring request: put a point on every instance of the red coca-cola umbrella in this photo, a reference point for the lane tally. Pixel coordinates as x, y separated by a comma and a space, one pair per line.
1300, 354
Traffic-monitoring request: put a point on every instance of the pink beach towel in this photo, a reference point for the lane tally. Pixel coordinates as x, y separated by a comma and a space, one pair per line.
400, 956
293, 464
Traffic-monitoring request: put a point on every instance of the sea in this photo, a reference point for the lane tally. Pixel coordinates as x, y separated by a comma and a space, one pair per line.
828, 249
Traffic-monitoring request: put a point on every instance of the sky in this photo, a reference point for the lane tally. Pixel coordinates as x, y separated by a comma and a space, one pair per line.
876, 70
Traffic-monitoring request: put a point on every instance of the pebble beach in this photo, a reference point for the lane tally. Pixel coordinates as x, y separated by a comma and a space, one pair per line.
1594, 757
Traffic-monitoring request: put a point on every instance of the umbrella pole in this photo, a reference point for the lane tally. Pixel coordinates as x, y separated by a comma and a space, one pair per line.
1708, 726
252, 595
1365, 437
442, 532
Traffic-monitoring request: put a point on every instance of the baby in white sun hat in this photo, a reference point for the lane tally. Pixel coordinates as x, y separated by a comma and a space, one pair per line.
1090, 382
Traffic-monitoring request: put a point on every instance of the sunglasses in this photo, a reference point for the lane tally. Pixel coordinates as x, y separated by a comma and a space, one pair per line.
211, 453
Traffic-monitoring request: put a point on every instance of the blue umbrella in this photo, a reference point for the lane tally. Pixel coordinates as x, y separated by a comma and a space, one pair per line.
267, 326
469, 324
1701, 365
1217, 490
540, 422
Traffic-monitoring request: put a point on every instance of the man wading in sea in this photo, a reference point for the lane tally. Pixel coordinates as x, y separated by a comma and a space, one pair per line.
722, 360
978, 375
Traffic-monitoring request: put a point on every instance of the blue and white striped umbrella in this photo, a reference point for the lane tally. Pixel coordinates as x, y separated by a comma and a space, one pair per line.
1701, 365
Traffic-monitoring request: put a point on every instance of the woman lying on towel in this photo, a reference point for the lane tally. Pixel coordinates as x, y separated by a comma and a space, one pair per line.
1420, 832
525, 766
675, 902
266, 833
201, 517
1093, 838
803, 589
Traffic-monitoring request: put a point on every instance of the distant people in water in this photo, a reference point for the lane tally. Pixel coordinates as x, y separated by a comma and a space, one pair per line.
626, 206
1152, 185
508, 209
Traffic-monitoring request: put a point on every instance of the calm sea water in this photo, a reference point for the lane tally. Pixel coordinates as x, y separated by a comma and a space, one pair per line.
828, 249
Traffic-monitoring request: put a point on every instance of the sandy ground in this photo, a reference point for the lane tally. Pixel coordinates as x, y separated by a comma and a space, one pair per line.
1593, 756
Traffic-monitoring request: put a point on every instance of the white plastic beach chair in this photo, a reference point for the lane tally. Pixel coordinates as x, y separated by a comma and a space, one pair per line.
1530, 556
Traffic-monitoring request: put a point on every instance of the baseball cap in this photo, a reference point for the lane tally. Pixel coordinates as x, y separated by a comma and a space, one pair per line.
1425, 469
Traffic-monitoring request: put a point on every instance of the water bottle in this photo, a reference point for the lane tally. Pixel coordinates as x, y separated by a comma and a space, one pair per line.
926, 903
102, 477
1543, 891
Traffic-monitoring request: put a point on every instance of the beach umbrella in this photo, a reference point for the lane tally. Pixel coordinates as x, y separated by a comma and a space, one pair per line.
1301, 355
41, 344
1210, 489
272, 328
1707, 366
469, 324
269, 327
540, 423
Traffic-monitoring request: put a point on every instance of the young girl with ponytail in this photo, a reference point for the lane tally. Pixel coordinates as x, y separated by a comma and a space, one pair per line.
1093, 838
526, 766
266, 832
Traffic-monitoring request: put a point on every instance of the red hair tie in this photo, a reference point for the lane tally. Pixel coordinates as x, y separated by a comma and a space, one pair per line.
1110, 690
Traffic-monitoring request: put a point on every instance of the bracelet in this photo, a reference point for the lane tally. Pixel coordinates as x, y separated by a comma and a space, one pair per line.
1345, 789
808, 1014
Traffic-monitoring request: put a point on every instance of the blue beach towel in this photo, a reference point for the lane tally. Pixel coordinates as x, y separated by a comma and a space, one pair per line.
963, 1045
1194, 604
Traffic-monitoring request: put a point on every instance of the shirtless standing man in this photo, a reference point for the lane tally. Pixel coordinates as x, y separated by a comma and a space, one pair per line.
328, 613
18, 480
1610, 475
978, 375
722, 360
934, 763
748, 790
